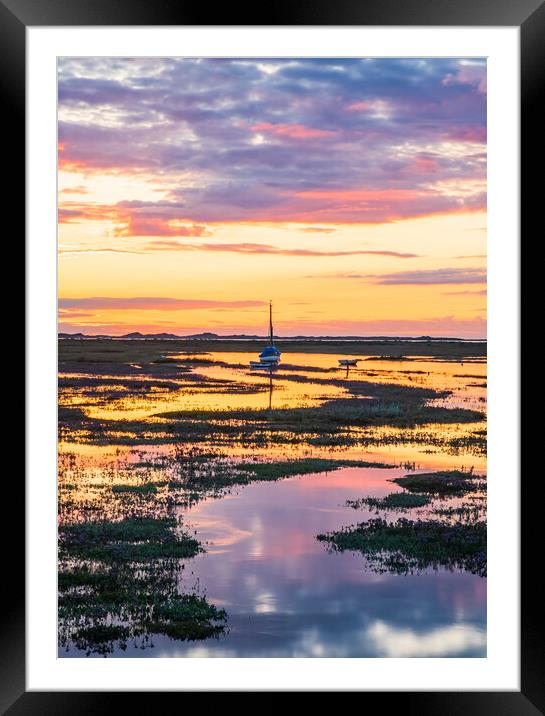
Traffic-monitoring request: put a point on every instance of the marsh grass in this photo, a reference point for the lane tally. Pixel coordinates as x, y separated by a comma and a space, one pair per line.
333, 423
142, 489
464, 513
326, 418
225, 474
104, 606
121, 550
119, 580
407, 546
458, 541
128, 540
163, 431
443, 482
144, 351
393, 501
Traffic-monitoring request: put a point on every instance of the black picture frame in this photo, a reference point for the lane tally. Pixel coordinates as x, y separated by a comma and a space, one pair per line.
529, 15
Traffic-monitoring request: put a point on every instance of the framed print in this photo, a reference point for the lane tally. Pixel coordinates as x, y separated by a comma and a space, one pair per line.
273, 342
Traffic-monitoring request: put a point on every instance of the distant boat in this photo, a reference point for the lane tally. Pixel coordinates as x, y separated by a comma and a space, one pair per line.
348, 361
263, 365
270, 355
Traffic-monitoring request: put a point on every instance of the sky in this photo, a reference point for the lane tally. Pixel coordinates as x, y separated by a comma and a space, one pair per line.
350, 192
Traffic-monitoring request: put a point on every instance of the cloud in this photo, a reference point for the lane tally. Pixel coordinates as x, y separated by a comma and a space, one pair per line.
359, 140
177, 217
147, 303
250, 248
292, 131
118, 328
441, 326
431, 277
106, 250
468, 73
482, 292
318, 229
74, 190
244, 202
134, 218
237, 248
442, 641
71, 315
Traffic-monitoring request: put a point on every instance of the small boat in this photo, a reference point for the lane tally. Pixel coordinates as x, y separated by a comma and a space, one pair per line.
348, 361
270, 355
263, 365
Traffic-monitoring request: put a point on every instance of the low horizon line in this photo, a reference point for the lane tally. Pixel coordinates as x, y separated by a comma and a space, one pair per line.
215, 336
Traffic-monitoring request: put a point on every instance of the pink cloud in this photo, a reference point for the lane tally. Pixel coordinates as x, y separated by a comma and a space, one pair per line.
481, 292
134, 218
318, 230
250, 248
333, 124
74, 190
292, 131
357, 106
424, 165
146, 303
473, 75
439, 326
360, 196
135, 226
467, 134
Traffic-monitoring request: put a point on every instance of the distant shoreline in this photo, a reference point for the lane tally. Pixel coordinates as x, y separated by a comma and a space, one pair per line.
83, 349
217, 338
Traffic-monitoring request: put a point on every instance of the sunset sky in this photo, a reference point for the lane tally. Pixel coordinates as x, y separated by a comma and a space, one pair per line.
350, 192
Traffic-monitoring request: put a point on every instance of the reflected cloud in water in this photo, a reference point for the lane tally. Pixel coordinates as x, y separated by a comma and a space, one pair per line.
455, 640
287, 596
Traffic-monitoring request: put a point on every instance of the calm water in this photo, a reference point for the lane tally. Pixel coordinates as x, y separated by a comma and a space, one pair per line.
467, 381
286, 595
284, 592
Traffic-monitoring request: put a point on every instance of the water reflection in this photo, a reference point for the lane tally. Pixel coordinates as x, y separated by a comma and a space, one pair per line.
452, 640
312, 603
288, 596
285, 594
303, 380
271, 370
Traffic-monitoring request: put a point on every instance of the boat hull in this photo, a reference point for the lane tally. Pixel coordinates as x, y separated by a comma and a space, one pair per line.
271, 359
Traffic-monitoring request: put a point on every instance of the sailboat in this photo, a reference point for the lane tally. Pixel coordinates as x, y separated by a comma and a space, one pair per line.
270, 355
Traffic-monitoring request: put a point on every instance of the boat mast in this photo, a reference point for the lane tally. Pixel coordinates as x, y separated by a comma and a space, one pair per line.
270, 323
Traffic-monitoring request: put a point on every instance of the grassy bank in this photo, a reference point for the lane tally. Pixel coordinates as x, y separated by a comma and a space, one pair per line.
451, 536
406, 546
112, 372
393, 501
118, 581
219, 474
446, 482
131, 351
336, 423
